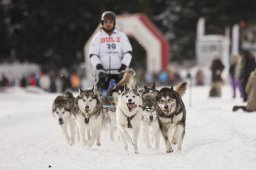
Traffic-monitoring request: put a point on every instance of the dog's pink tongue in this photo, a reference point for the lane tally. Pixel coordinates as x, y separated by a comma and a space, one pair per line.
131, 106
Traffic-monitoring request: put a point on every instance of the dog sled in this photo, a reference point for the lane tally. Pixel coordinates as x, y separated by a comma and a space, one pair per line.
105, 83
109, 89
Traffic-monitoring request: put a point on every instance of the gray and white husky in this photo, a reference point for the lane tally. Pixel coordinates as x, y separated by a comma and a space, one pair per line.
171, 114
128, 116
62, 110
149, 122
89, 117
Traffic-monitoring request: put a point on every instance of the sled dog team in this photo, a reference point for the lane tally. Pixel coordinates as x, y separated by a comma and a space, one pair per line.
158, 112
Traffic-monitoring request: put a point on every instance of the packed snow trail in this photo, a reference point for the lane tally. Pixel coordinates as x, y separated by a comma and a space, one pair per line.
216, 138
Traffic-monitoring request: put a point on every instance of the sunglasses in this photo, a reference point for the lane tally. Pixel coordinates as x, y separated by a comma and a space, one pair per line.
108, 21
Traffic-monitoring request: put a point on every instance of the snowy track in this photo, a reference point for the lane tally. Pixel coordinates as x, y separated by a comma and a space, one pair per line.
215, 138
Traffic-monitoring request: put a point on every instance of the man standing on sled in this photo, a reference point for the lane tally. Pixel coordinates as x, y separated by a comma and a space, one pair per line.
110, 51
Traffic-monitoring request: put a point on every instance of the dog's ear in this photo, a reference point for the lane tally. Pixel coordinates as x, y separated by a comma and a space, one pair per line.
90, 89
145, 87
80, 90
154, 85
76, 100
171, 88
93, 89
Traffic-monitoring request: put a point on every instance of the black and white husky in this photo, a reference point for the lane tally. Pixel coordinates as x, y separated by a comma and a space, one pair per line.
89, 117
171, 114
128, 116
62, 110
149, 122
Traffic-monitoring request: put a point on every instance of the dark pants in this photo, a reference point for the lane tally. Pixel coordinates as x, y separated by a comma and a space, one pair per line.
244, 82
104, 80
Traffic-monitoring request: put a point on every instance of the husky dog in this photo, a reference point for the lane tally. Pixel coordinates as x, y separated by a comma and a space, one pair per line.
149, 117
171, 114
128, 116
62, 110
89, 117
111, 99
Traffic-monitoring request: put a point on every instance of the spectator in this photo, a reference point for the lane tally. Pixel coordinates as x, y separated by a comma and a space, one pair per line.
234, 72
251, 91
45, 82
75, 81
65, 79
247, 66
23, 81
200, 78
217, 68
4, 81
32, 80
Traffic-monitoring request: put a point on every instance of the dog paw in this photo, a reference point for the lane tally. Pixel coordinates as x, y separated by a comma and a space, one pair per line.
90, 143
69, 141
174, 141
169, 151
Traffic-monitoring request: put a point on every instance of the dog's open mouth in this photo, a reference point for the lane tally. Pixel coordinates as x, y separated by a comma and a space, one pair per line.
131, 106
87, 110
170, 109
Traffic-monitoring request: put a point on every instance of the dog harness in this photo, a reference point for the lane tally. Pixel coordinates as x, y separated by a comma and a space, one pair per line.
96, 113
129, 118
86, 120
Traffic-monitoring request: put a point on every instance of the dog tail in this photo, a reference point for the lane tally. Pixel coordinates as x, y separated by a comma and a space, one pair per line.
181, 88
127, 78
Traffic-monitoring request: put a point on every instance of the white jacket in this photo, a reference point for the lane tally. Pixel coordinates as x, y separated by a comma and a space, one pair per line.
110, 50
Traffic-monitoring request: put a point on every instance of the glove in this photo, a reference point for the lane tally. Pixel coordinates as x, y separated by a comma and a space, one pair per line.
99, 67
123, 67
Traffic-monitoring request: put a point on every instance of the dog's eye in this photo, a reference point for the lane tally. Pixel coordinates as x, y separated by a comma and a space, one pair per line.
169, 100
57, 112
90, 100
63, 112
161, 101
133, 96
127, 96
84, 100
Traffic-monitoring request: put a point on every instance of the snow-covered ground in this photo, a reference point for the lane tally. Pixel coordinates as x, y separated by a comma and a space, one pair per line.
215, 139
